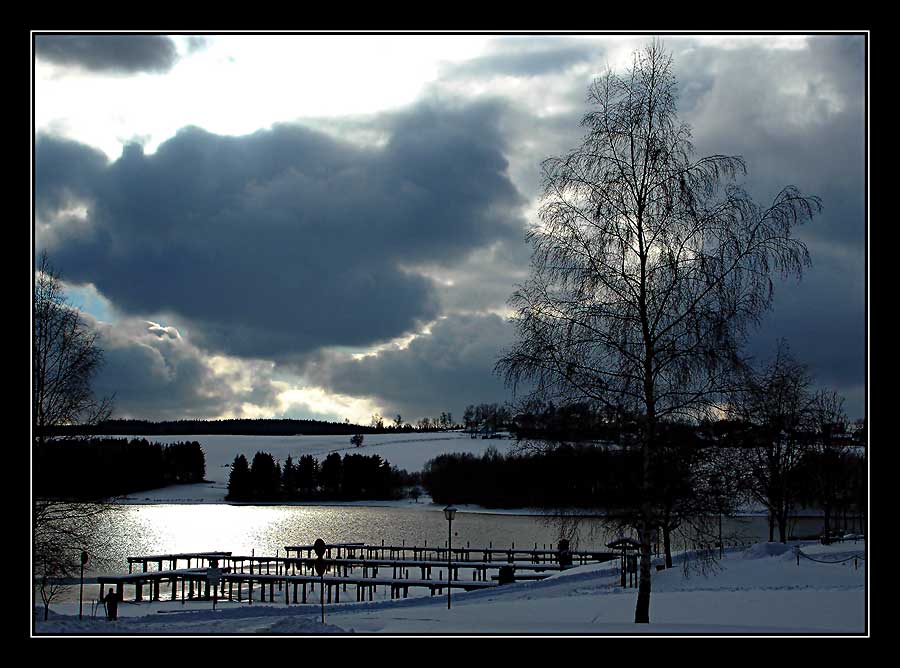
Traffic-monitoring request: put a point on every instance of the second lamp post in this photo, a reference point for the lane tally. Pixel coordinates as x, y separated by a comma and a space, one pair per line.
449, 513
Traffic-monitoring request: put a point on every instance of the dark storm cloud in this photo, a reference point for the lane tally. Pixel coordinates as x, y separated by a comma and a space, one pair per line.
125, 54
154, 373
276, 243
284, 241
442, 371
798, 117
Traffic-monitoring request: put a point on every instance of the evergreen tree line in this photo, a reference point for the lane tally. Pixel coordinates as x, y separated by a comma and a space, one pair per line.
103, 467
348, 478
237, 427
604, 477
565, 476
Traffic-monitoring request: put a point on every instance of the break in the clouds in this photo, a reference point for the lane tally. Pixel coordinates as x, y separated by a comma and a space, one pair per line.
286, 250
152, 372
281, 242
443, 370
112, 54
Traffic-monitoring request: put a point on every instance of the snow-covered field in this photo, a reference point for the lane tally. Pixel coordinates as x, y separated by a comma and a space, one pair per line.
761, 590
405, 451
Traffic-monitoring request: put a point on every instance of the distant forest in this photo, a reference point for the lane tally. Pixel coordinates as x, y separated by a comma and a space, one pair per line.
257, 427
99, 468
348, 478
566, 476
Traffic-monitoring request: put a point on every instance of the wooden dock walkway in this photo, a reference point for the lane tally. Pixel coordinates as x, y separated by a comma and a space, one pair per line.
350, 563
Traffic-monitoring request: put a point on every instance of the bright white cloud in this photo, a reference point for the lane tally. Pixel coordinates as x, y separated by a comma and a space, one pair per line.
306, 400
240, 83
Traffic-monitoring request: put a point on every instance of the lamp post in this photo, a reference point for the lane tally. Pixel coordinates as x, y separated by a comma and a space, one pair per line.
449, 513
84, 560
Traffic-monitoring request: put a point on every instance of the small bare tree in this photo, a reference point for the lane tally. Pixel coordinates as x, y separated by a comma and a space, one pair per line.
772, 402
63, 529
829, 450
649, 266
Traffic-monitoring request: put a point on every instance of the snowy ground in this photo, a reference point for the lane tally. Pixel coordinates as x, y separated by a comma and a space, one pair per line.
761, 590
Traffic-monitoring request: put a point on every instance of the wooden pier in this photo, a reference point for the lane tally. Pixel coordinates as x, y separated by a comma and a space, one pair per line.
354, 564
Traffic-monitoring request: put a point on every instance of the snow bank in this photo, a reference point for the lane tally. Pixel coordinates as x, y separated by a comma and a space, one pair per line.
762, 550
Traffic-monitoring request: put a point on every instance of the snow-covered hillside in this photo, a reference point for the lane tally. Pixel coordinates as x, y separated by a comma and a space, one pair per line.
405, 451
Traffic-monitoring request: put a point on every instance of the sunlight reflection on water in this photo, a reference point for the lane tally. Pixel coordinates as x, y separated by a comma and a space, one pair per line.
132, 530
160, 529
265, 530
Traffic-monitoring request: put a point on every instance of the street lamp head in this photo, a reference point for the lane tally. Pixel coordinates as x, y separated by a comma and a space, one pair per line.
450, 513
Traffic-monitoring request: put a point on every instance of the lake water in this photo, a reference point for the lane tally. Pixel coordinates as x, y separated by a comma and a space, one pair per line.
265, 530
132, 530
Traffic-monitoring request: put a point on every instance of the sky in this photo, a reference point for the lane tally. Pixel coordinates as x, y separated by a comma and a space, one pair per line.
328, 226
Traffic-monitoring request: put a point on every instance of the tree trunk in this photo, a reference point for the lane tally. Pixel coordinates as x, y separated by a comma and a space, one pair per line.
771, 527
46, 611
667, 546
782, 526
642, 610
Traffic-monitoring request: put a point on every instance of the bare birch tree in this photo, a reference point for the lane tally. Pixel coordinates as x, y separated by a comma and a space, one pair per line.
65, 359
648, 267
